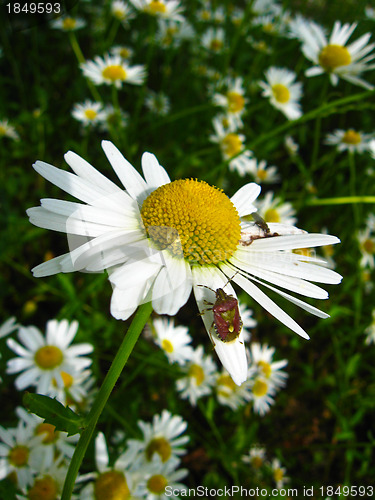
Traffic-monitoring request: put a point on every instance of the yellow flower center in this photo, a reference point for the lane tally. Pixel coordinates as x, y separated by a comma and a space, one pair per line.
262, 174
3, 130
43, 489
205, 15
90, 114
50, 432
119, 13
156, 484
67, 380
196, 371
265, 368
351, 137
114, 72
226, 381
19, 456
369, 246
272, 215
156, 7
333, 56
278, 474
111, 485
236, 101
216, 45
48, 357
167, 345
160, 446
260, 388
69, 23
124, 53
193, 215
257, 462
231, 145
281, 93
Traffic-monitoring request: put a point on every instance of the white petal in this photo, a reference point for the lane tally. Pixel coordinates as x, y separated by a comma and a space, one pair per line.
153, 172
27, 378
101, 453
293, 241
31, 338
244, 198
125, 301
18, 349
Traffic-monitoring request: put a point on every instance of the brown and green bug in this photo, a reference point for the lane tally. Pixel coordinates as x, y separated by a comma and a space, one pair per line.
227, 319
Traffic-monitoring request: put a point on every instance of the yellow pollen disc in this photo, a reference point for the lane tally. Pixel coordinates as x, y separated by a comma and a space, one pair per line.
351, 137
236, 102
111, 485
3, 130
333, 56
281, 93
50, 432
43, 489
90, 114
369, 246
205, 15
167, 345
231, 145
272, 215
257, 462
67, 380
268, 28
156, 484
19, 456
156, 7
124, 53
265, 368
260, 388
196, 371
48, 357
216, 45
160, 446
69, 23
278, 474
118, 13
194, 220
114, 72
227, 381
262, 174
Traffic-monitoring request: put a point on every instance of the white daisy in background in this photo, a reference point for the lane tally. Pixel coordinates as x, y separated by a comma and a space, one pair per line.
256, 457
262, 392
157, 102
233, 100
291, 145
122, 51
370, 12
372, 148
263, 6
214, 40
263, 173
278, 473
230, 394
41, 359
162, 438
370, 331
167, 9
248, 321
349, 140
114, 119
121, 11
7, 130
112, 70
77, 391
160, 239
367, 248
333, 56
68, 23
259, 45
270, 24
47, 483
89, 113
273, 209
19, 453
370, 222
283, 92
173, 33
200, 376
174, 340
8, 327
262, 364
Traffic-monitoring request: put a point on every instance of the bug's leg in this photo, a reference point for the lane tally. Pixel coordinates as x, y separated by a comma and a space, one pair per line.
211, 337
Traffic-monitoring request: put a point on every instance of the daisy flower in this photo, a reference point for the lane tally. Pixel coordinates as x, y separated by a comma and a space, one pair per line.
370, 331
349, 140
114, 118
247, 321
230, 394
8, 327
370, 12
278, 473
43, 358
68, 23
76, 391
263, 173
233, 100
47, 483
167, 9
121, 11
173, 33
160, 239
261, 364
367, 248
283, 92
272, 209
200, 373
174, 340
256, 457
157, 102
214, 40
291, 145
7, 130
89, 113
112, 70
123, 51
160, 480
334, 56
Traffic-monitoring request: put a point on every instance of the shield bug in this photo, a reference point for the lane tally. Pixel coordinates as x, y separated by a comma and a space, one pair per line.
227, 320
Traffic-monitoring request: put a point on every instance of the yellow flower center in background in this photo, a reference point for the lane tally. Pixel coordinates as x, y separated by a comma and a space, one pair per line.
19, 456
3, 130
167, 345
257, 462
369, 246
262, 174
69, 23
351, 137
260, 388
216, 45
50, 432
119, 13
272, 215
333, 56
48, 357
124, 53
111, 485
278, 474
231, 145
194, 220
43, 489
236, 102
265, 368
156, 7
196, 371
90, 114
227, 381
114, 72
67, 380
281, 93
160, 446
156, 484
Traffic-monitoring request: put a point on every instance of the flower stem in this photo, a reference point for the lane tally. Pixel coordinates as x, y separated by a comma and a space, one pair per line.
105, 390
340, 200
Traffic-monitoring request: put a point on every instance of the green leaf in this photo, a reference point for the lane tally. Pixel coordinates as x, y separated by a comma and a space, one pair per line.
54, 413
7, 490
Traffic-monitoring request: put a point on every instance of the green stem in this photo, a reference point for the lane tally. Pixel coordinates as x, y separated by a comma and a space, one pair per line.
105, 390
340, 200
